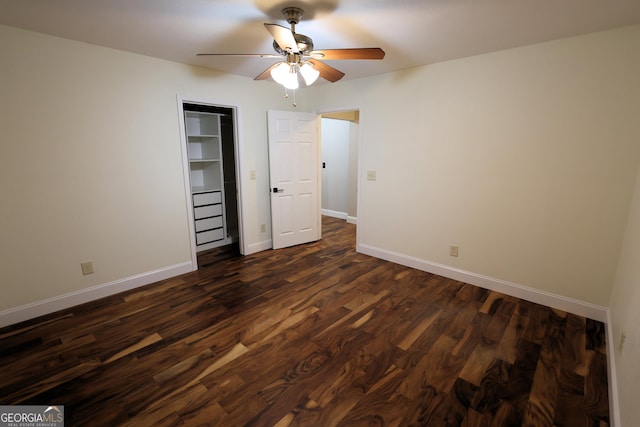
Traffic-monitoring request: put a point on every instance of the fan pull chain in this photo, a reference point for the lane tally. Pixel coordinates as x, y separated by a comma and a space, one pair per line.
286, 96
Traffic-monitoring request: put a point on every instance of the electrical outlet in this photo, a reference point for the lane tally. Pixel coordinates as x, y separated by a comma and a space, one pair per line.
252, 174
623, 338
87, 267
263, 228
371, 175
453, 250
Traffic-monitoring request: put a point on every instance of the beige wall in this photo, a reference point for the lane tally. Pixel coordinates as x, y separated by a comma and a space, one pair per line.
525, 158
625, 316
91, 167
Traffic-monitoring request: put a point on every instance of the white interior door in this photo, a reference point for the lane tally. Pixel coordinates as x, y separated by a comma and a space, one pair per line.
294, 170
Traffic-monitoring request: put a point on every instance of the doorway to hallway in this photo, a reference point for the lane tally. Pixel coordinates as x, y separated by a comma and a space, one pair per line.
339, 150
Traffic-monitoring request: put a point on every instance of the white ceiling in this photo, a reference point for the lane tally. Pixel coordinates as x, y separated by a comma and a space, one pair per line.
411, 32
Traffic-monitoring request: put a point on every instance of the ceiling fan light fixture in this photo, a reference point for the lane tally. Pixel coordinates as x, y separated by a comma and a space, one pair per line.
291, 78
286, 74
309, 74
279, 73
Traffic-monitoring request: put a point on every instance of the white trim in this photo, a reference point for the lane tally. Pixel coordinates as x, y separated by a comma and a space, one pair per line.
61, 302
259, 247
340, 215
334, 214
614, 403
242, 220
318, 120
187, 182
549, 299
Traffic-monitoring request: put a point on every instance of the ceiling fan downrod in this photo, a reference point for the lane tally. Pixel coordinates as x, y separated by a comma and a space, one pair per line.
293, 15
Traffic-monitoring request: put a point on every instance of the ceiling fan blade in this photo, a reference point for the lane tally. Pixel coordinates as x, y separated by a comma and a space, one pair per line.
259, 55
327, 72
266, 73
357, 53
283, 36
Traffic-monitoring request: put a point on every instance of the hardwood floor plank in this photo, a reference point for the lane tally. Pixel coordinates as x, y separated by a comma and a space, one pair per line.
202, 412
25, 392
472, 336
491, 388
167, 413
540, 410
437, 369
542, 402
518, 386
538, 321
151, 339
595, 336
381, 405
475, 419
596, 392
478, 363
570, 400
573, 353
361, 306
507, 349
416, 331
313, 335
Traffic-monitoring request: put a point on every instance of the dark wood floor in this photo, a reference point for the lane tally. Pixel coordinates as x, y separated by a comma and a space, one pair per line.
314, 335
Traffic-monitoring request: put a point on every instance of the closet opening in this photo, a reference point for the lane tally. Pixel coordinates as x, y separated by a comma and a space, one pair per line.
210, 147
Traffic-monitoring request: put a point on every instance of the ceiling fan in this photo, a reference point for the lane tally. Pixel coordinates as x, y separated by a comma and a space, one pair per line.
299, 55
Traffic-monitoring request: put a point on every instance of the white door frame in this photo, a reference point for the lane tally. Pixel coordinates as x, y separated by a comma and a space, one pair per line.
185, 169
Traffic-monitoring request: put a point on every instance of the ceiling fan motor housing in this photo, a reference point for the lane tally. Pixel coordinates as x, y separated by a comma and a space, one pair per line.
305, 45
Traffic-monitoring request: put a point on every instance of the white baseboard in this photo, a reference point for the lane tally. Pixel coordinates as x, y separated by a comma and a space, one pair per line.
340, 215
560, 302
259, 247
335, 214
61, 302
614, 403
